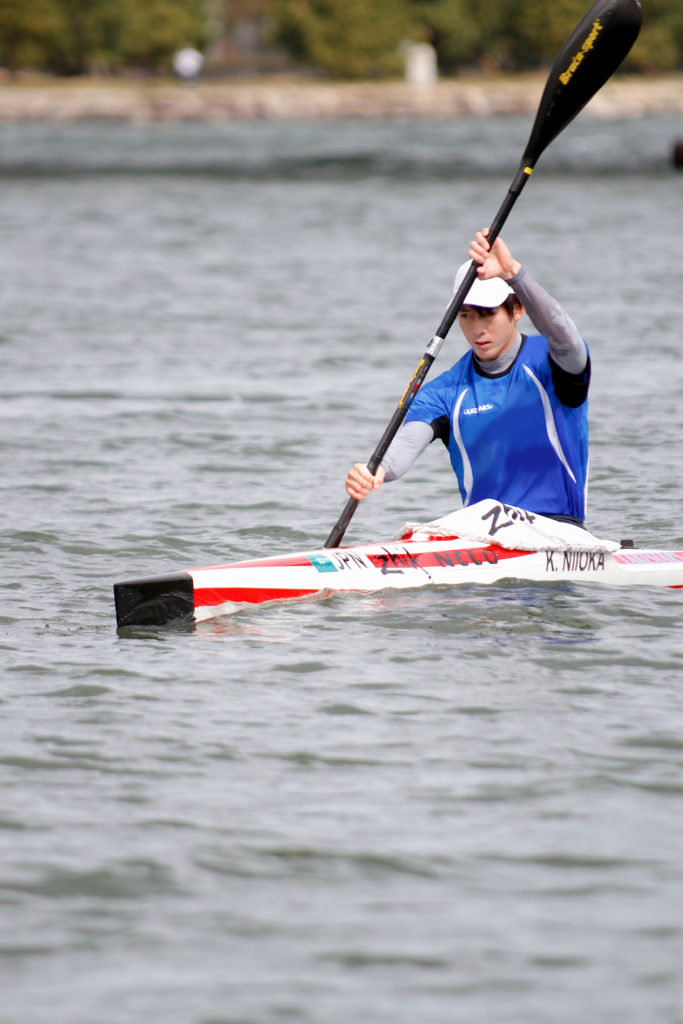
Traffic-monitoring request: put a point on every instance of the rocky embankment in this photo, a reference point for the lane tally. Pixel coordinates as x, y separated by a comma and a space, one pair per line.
148, 101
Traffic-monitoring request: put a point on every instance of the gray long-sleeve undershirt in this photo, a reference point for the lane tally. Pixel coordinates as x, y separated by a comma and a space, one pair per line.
565, 345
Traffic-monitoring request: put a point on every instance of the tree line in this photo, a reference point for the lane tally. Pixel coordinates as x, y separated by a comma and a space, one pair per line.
338, 38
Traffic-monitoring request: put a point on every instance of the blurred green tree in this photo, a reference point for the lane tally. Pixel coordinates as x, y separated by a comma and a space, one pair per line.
74, 36
352, 38
152, 31
345, 38
659, 46
538, 29
29, 29
342, 38
456, 29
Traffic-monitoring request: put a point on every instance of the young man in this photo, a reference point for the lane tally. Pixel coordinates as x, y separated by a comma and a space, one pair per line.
512, 411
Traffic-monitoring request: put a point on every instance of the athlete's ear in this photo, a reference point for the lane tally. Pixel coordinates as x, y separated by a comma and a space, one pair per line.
518, 312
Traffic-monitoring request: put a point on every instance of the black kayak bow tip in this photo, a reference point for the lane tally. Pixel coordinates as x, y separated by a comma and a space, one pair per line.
155, 601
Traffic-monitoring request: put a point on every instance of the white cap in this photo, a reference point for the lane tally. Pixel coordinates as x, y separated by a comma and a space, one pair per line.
489, 293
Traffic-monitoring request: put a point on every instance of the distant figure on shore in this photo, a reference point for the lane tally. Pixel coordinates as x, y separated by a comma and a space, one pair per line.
187, 63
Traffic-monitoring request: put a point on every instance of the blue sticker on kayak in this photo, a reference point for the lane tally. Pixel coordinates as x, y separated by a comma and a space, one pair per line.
323, 564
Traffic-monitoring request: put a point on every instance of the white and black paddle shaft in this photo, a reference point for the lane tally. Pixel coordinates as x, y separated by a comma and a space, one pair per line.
591, 54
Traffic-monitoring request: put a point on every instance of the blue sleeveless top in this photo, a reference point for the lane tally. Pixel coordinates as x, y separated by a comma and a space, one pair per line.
520, 437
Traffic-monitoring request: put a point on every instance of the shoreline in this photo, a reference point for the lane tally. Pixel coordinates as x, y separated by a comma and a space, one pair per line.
147, 101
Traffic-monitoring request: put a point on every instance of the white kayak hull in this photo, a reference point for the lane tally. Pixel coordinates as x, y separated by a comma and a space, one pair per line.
195, 595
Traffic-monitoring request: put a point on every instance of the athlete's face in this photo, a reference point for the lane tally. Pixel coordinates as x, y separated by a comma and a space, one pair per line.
490, 332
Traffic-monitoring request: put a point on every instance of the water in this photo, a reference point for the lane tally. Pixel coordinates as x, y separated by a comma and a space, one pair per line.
440, 806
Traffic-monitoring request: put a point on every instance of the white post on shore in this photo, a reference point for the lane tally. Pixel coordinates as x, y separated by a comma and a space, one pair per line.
420, 64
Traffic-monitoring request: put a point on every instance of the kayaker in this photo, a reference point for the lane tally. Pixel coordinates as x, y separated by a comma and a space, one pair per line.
513, 410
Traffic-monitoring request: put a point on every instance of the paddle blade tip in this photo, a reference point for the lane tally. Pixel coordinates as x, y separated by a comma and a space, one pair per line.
590, 56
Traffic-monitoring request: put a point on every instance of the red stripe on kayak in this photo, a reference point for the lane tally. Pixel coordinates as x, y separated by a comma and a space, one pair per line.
211, 597
293, 560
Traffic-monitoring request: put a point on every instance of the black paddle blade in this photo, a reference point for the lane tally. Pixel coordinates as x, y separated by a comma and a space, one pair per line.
592, 53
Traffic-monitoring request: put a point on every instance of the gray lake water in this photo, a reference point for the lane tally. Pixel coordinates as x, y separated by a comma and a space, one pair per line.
443, 806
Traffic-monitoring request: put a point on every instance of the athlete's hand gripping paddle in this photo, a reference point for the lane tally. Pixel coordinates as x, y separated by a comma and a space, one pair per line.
591, 54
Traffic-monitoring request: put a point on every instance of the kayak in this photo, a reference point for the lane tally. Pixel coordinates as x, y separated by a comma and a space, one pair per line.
536, 549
